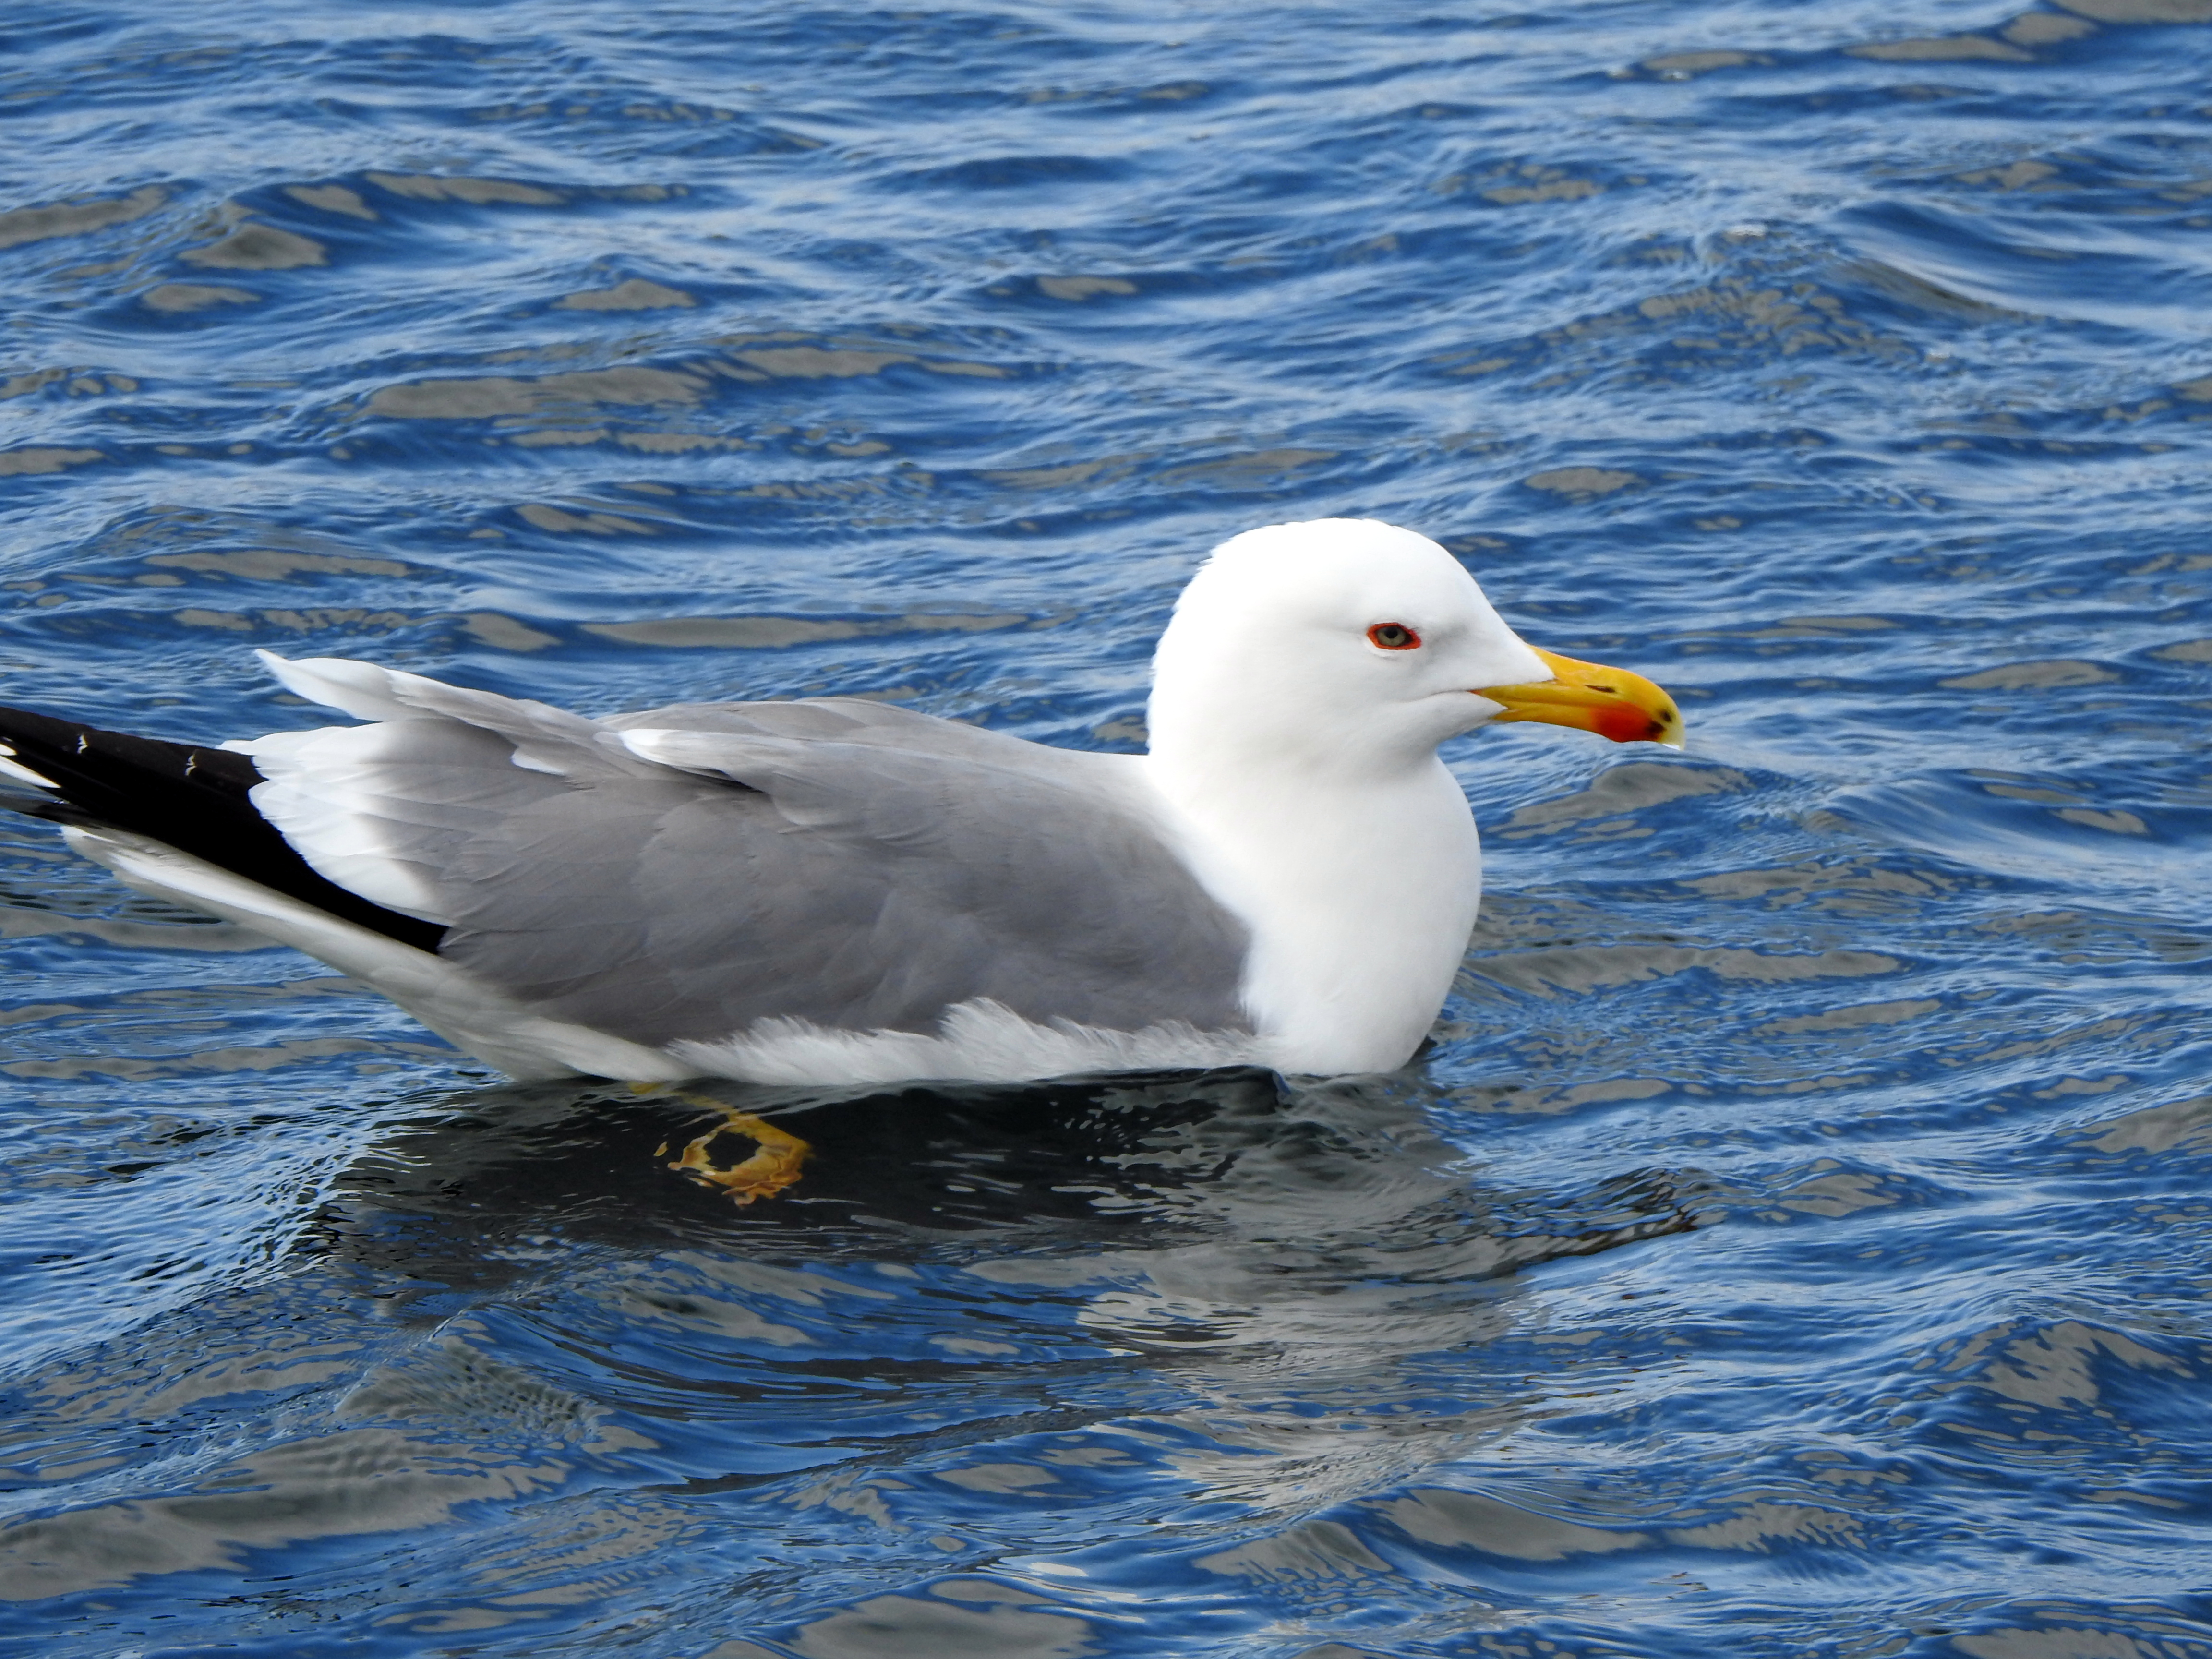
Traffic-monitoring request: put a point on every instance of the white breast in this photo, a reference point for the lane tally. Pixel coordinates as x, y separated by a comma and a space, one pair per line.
1359, 901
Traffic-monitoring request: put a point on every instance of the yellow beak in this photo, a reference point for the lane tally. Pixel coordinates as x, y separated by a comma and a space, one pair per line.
1610, 701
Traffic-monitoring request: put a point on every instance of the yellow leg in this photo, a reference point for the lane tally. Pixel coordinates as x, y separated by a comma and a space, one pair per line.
774, 1165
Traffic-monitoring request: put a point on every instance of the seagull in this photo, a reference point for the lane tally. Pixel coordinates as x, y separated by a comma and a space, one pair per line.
840, 891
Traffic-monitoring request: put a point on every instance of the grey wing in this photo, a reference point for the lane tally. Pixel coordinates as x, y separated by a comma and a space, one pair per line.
685, 874
863, 720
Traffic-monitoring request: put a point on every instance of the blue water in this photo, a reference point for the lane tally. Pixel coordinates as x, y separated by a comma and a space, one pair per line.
1795, 1243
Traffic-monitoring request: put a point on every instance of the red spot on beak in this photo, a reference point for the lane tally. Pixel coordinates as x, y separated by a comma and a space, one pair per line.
1626, 724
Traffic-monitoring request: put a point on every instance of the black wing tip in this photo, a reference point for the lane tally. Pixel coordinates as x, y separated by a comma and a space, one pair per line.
52, 809
194, 797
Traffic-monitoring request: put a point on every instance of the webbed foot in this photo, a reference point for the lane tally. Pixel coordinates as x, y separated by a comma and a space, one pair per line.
774, 1165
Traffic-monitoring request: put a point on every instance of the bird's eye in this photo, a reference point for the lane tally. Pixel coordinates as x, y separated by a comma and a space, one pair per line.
1394, 636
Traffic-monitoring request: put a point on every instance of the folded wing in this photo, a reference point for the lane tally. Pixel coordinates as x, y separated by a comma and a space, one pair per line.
683, 874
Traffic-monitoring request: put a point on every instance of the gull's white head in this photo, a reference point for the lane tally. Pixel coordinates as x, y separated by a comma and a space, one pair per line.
1354, 646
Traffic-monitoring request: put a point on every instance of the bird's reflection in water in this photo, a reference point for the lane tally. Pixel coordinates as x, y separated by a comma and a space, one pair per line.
990, 1325
1276, 1186
1222, 1246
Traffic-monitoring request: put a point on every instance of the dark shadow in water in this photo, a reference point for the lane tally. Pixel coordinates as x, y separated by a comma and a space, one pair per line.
1348, 1169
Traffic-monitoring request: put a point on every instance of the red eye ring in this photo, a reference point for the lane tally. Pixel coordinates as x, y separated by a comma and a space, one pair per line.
1393, 636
